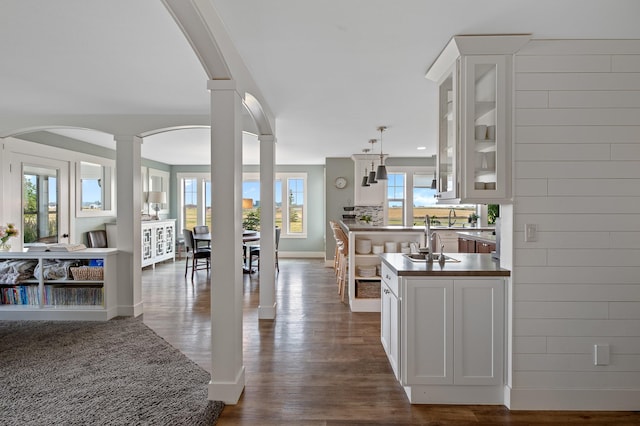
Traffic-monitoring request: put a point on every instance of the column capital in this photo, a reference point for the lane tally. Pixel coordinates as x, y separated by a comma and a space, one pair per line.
221, 85
267, 138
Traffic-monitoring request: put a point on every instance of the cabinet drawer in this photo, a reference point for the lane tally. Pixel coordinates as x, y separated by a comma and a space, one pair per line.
390, 278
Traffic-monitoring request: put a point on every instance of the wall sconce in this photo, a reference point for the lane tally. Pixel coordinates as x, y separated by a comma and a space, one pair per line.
157, 198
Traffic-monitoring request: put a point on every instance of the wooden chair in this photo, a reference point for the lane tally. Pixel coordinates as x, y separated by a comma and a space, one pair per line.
195, 255
97, 239
343, 263
254, 251
202, 229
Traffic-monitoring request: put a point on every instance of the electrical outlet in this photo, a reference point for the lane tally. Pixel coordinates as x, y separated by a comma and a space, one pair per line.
530, 232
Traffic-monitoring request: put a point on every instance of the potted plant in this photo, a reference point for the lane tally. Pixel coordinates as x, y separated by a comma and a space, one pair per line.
473, 219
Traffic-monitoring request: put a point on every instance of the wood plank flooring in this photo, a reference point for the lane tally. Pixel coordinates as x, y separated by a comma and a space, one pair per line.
317, 363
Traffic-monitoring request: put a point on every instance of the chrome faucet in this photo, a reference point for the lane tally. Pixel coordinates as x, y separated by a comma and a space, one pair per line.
451, 223
427, 236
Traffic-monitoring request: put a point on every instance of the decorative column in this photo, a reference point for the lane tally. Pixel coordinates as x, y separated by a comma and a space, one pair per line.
227, 366
129, 203
267, 308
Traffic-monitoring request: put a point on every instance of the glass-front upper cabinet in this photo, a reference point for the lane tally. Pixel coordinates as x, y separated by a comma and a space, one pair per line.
447, 149
473, 74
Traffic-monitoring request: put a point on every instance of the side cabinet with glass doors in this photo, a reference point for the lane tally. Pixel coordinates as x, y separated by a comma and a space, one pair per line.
474, 77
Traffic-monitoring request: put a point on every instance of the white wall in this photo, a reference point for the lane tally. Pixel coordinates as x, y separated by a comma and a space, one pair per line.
577, 177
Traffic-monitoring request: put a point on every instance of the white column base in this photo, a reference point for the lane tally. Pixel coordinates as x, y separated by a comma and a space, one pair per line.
131, 311
575, 399
267, 312
227, 392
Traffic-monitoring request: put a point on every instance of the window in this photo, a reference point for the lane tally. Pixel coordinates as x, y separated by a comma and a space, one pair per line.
290, 200
395, 198
195, 200
410, 198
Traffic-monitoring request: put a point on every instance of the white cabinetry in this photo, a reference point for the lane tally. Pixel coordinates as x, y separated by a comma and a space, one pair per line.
474, 76
373, 195
364, 291
390, 320
450, 337
158, 241
41, 285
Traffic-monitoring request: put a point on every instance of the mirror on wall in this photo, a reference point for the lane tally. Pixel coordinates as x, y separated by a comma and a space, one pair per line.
158, 182
94, 190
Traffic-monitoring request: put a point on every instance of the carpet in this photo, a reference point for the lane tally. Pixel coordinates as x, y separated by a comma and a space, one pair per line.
117, 372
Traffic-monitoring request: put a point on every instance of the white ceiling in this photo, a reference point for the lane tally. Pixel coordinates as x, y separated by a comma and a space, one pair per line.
332, 71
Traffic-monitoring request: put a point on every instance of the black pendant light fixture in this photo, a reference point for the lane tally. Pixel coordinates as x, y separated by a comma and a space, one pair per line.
372, 173
381, 173
434, 182
365, 178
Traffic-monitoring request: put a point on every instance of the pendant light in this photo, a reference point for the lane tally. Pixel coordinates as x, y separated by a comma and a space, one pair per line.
434, 182
365, 178
372, 173
381, 173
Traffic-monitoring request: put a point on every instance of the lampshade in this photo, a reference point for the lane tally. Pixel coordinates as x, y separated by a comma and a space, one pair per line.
157, 197
364, 181
247, 203
434, 182
372, 173
381, 173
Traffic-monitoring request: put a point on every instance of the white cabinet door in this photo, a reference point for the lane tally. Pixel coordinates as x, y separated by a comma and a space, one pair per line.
390, 323
428, 338
478, 331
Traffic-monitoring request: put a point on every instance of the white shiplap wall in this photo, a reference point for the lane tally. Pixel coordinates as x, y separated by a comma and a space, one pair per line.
577, 177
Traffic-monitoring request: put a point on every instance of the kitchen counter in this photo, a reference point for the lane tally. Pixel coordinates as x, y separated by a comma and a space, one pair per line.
357, 226
479, 235
470, 264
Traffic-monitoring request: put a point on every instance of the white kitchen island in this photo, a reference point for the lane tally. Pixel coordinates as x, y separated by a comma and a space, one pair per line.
364, 291
442, 327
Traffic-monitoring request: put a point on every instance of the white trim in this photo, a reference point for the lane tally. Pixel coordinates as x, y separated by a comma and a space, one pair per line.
302, 255
574, 399
227, 392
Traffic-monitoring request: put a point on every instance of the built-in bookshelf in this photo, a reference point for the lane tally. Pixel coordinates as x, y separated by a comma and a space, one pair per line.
44, 285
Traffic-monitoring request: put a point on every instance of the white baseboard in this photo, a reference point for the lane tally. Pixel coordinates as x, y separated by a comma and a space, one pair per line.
267, 312
300, 254
574, 399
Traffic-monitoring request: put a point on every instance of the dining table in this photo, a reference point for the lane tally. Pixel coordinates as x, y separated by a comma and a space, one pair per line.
248, 236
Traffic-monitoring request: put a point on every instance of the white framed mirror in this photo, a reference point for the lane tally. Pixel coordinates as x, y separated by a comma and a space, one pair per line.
95, 195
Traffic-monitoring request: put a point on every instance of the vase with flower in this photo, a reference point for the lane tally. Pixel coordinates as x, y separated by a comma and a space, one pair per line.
7, 232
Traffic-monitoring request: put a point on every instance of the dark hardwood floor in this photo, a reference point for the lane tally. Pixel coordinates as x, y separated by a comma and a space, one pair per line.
317, 363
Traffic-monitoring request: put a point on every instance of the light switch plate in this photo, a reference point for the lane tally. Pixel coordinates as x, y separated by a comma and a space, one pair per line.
530, 232
601, 354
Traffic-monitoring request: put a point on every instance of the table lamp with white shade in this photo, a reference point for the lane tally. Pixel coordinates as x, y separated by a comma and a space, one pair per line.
157, 198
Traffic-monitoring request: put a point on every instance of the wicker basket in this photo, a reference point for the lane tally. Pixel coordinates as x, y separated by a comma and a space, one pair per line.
87, 273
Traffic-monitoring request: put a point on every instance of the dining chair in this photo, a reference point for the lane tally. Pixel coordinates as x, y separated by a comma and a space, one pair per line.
195, 255
254, 251
97, 239
202, 229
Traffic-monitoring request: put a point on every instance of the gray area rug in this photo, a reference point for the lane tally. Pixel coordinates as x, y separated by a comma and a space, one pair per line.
117, 372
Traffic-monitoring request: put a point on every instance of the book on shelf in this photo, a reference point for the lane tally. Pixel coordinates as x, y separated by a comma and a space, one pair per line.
57, 247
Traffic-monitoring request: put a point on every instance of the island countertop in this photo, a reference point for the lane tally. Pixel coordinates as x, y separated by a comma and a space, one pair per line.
470, 264
355, 226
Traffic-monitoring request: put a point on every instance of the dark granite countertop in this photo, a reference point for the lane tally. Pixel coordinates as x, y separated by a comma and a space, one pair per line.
486, 236
470, 264
357, 226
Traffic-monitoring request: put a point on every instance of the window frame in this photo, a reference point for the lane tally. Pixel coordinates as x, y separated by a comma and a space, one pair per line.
201, 207
284, 178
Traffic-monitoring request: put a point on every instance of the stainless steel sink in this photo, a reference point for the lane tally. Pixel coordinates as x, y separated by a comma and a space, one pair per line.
422, 257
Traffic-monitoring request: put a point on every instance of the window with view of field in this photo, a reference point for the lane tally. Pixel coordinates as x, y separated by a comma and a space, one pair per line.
195, 196
410, 198
290, 202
